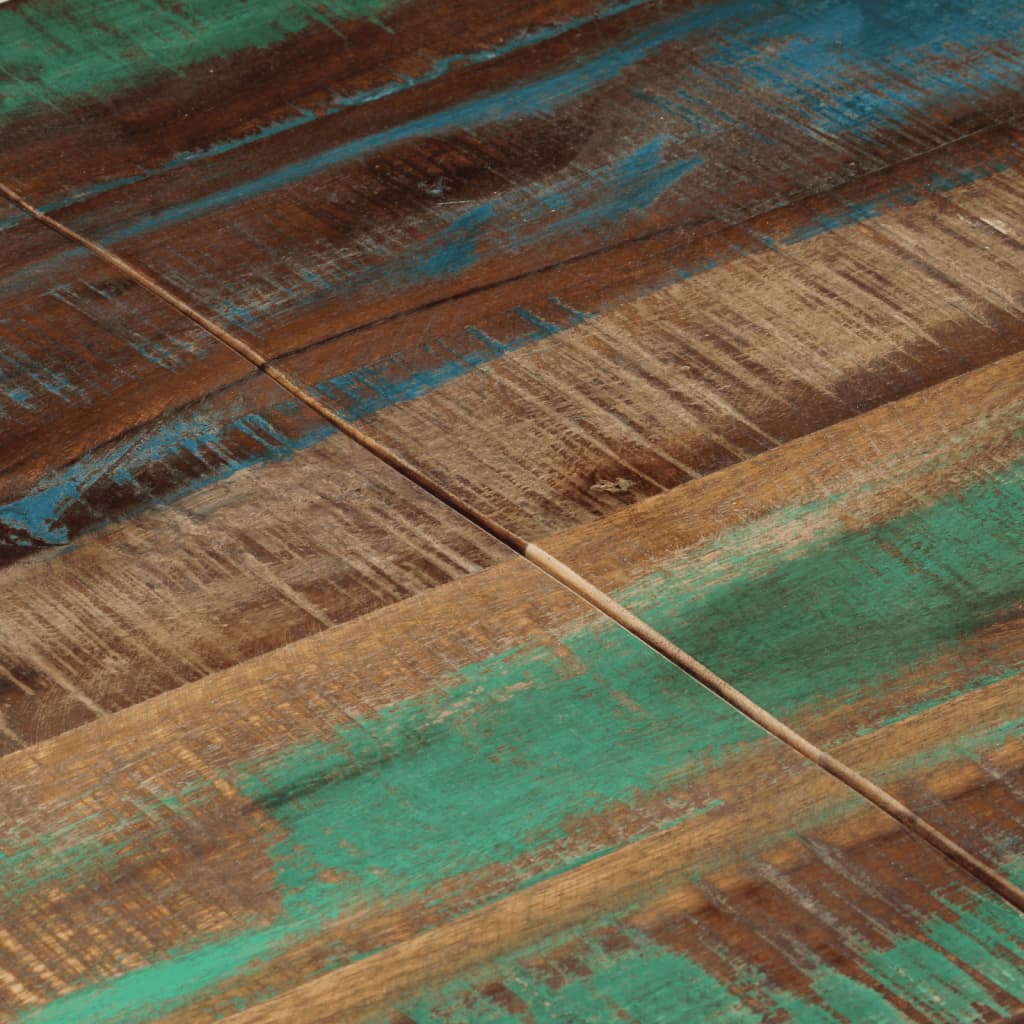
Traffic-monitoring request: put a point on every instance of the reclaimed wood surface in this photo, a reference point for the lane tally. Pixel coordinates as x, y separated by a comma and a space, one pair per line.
488, 798
866, 585
166, 511
474, 241
556, 399
718, 303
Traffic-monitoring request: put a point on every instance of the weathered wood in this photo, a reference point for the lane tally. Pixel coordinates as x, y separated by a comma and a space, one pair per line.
775, 938
490, 770
864, 584
609, 124
563, 256
165, 511
98, 93
558, 398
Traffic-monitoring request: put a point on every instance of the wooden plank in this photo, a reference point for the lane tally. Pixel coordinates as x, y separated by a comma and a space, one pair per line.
98, 93
864, 584
561, 397
490, 770
614, 122
165, 511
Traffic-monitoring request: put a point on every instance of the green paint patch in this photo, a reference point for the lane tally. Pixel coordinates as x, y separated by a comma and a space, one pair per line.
836, 618
493, 779
498, 769
585, 979
494, 773
59, 52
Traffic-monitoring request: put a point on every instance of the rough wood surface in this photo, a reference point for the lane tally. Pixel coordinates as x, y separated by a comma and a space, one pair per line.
864, 584
718, 301
558, 398
165, 511
562, 256
486, 775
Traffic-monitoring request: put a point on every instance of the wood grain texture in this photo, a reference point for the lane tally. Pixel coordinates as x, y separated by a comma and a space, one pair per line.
627, 119
554, 399
133, 91
165, 511
484, 775
865, 585
761, 257
514, 253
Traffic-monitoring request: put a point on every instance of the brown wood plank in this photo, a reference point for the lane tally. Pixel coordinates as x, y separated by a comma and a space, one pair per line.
100, 92
795, 321
626, 119
514, 252
864, 584
166, 511
480, 775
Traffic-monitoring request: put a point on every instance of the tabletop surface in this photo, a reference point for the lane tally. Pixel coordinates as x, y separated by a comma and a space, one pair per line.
512, 512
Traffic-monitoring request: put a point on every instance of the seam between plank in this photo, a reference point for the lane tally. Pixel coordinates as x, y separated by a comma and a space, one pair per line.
565, 576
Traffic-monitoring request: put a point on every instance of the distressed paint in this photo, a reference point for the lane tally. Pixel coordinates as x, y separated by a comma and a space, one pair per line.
166, 510
376, 386
392, 806
909, 589
864, 584
58, 52
345, 101
632, 184
779, 51
220, 440
611, 968
509, 773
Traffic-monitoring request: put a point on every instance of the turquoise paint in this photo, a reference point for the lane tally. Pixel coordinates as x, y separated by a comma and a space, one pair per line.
860, 66
525, 218
378, 385
58, 53
464, 780
845, 613
760, 40
340, 102
503, 763
649, 983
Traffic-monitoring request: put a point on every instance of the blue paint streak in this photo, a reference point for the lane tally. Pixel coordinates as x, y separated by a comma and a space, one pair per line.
818, 55
370, 389
858, 66
530, 99
373, 388
37, 518
521, 219
855, 65
338, 103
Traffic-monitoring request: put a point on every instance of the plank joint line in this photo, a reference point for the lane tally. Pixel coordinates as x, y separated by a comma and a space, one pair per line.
564, 575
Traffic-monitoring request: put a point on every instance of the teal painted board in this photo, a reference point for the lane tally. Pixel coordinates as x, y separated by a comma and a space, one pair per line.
405, 808
863, 584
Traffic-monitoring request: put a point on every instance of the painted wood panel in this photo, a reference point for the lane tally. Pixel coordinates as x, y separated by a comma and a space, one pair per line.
622, 122
102, 93
558, 398
865, 585
166, 511
486, 775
